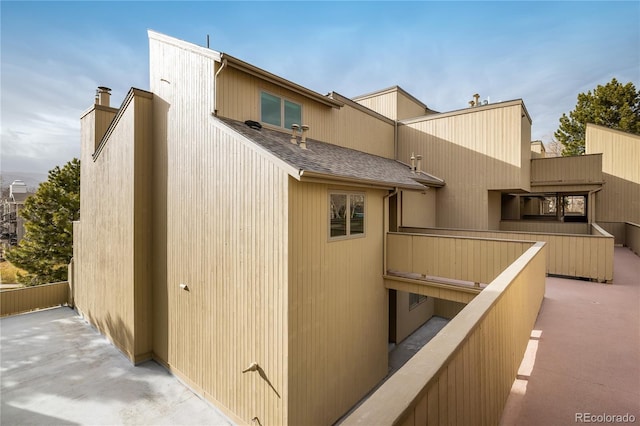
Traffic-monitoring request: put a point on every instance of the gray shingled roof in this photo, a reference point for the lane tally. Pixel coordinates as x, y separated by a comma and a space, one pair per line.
333, 160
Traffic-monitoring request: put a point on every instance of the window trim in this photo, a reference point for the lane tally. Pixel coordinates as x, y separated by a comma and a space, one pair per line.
421, 299
282, 109
348, 236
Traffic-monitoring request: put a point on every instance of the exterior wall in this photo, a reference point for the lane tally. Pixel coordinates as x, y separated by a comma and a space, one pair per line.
409, 320
474, 151
408, 107
239, 98
338, 308
619, 199
419, 209
632, 237
447, 308
543, 226
220, 229
110, 247
385, 103
537, 150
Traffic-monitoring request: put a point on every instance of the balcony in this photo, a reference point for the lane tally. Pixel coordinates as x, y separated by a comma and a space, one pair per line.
558, 174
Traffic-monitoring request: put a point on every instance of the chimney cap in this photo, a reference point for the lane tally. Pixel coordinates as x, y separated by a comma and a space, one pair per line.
104, 89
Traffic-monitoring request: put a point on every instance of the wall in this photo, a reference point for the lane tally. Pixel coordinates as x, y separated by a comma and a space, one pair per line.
465, 373
338, 307
418, 209
545, 226
409, 320
111, 248
632, 237
220, 228
474, 150
619, 199
394, 103
239, 98
583, 169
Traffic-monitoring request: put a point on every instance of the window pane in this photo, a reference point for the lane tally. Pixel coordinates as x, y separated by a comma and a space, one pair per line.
292, 114
338, 214
356, 207
270, 109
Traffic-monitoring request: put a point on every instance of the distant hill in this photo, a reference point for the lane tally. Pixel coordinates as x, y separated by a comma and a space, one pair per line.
31, 179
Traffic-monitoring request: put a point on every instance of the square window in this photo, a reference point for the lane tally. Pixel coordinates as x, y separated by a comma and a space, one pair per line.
346, 215
292, 114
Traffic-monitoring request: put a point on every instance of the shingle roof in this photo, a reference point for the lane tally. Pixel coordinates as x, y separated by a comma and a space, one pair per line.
333, 160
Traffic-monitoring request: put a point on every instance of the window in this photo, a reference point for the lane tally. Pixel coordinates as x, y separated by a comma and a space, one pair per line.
279, 112
346, 215
415, 300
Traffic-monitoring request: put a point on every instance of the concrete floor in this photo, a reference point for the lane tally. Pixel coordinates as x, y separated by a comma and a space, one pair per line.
403, 352
585, 353
57, 369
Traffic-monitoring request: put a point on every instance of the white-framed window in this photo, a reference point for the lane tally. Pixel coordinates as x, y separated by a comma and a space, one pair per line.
415, 300
346, 215
279, 111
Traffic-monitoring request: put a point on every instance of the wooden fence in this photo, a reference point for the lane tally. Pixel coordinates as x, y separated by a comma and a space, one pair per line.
18, 300
580, 256
465, 373
632, 236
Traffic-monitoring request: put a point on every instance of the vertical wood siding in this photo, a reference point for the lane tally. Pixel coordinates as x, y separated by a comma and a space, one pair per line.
581, 169
582, 256
239, 99
465, 373
338, 308
111, 289
474, 151
385, 103
27, 299
467, 259
220, 228
632, 237
619, 199
550, 227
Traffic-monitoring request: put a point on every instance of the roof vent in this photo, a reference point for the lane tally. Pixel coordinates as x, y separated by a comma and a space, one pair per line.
253, 124
294, 134
303, 141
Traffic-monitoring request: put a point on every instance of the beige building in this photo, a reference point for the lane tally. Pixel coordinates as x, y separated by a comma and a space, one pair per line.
233, 224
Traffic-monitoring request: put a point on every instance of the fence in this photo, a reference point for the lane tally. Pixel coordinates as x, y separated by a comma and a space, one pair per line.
18, 300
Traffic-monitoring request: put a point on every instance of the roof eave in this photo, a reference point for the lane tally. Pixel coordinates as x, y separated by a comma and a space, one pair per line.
311, 176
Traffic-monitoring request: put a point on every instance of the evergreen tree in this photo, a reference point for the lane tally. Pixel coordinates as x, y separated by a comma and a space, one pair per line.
47, 246
613, 105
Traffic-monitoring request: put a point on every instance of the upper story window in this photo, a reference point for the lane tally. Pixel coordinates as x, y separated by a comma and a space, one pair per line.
279, 111
346, 215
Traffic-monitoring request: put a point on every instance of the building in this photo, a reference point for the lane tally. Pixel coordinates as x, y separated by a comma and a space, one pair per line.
248, 248
12, 222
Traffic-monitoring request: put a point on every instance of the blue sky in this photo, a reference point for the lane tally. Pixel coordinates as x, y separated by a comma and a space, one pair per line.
54, 55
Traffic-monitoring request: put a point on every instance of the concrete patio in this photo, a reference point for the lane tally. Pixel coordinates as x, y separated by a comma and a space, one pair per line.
57, 369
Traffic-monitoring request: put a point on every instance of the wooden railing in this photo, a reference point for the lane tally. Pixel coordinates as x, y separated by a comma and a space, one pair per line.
545, 227
584, 169
464, 374
464, 258
18, 300
632, 236
580, 256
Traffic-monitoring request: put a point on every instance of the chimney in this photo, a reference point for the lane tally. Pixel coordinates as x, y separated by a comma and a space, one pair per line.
476, 97
103, 94
294, 131
303, 141
419, 158
413, 163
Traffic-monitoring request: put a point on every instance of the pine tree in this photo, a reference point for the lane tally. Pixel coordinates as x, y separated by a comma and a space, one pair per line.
613, 105
47, 246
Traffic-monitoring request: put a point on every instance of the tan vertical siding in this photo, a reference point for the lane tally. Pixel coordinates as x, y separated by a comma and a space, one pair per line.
409, 320
619, 199
465, 373
543, 226
583, 256
418, 209
337, 308
239, 99
632, 237
18, 300
221, 229
385, 103
474, 151
583, 169
407, 107
112, 287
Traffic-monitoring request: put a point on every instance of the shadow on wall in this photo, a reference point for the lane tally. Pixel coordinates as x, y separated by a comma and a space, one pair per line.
619, 200
466, 200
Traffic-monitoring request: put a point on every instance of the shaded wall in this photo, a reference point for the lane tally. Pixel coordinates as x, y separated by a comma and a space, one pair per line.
338, 308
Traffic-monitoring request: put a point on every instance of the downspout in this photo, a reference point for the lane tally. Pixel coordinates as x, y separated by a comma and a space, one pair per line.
395, 141
385, 228
215, 87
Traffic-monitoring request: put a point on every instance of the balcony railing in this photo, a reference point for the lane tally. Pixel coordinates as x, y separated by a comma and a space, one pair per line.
464, 374
18, 300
